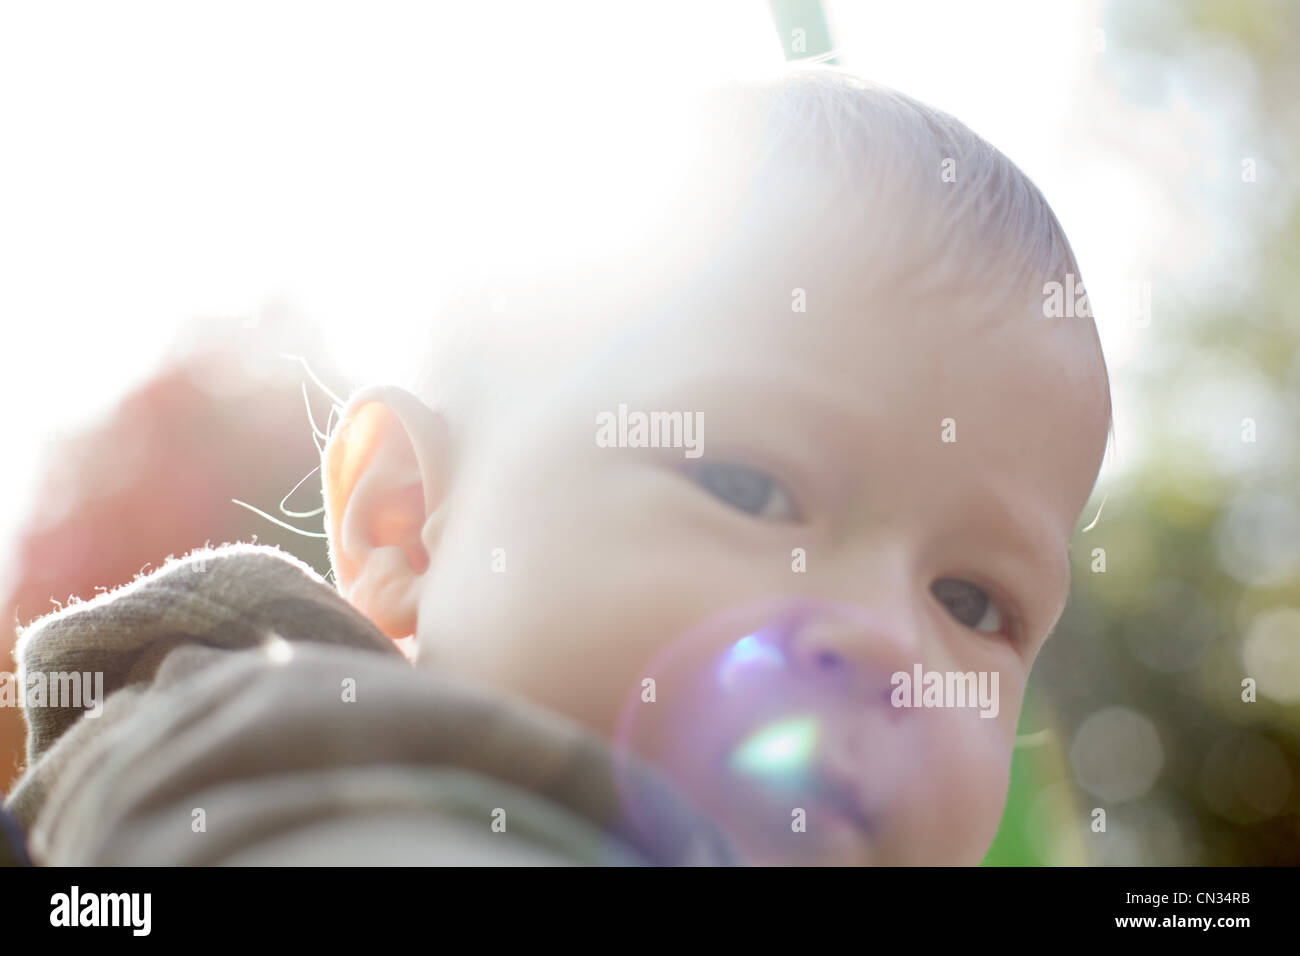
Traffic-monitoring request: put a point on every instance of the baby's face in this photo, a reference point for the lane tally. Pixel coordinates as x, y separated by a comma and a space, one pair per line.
827, 538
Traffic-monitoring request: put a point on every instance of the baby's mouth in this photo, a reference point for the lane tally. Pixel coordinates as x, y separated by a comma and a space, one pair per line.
843, 800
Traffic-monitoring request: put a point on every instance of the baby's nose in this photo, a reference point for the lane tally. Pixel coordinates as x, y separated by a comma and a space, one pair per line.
855, 649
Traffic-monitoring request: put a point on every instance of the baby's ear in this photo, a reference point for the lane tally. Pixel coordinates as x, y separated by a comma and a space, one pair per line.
384, 474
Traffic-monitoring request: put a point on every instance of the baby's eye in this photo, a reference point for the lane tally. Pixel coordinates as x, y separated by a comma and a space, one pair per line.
969, 604
745, 489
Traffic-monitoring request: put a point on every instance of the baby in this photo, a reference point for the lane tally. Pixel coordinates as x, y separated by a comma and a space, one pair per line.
872, 448
769, 497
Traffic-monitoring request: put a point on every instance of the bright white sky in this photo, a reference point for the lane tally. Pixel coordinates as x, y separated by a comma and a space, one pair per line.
163, 160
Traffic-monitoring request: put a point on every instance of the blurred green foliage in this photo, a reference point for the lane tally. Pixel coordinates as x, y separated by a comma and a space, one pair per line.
1201, 531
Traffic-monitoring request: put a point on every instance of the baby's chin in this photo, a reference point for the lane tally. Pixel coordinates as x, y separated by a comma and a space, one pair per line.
816, 829
823, 833
838, 843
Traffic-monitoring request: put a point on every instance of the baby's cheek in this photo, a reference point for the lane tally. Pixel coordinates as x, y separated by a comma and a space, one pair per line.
971, 772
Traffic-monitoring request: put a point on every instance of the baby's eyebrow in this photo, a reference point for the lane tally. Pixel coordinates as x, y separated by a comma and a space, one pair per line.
1030, 542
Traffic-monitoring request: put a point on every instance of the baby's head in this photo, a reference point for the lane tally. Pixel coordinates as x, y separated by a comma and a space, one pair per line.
870, 454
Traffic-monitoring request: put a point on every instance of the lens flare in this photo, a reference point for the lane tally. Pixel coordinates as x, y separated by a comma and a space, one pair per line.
781, 748
749, 651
